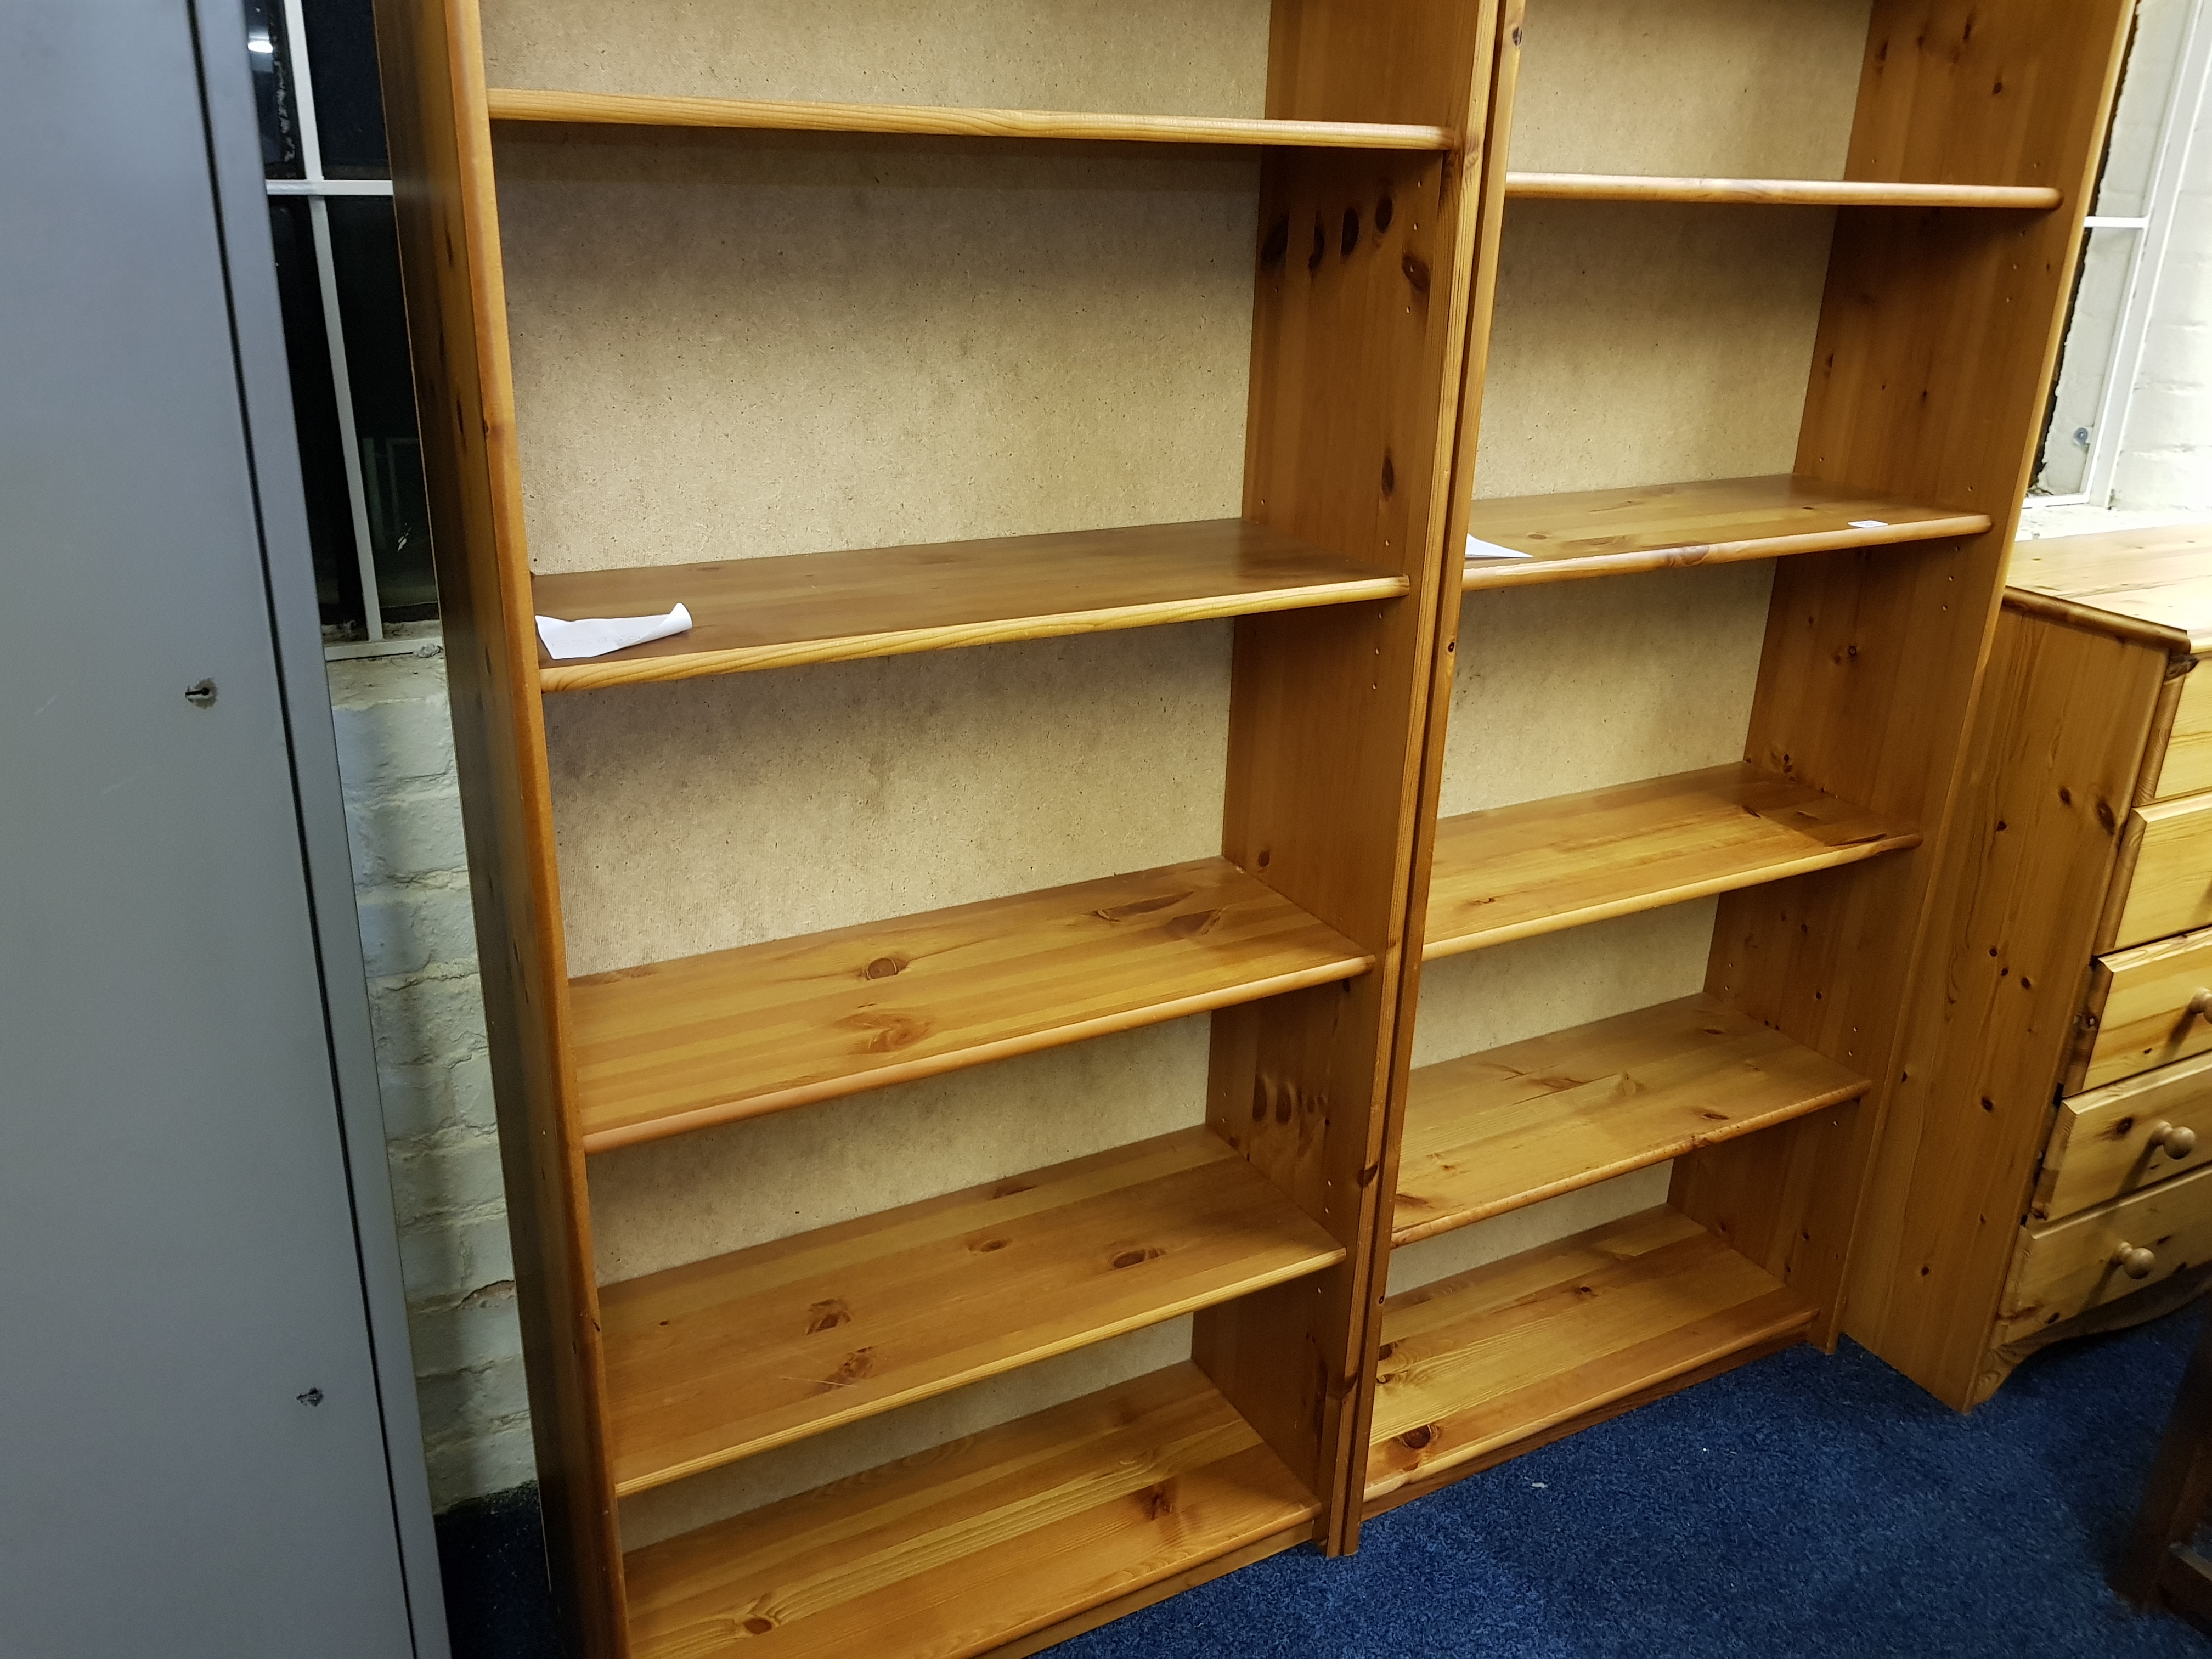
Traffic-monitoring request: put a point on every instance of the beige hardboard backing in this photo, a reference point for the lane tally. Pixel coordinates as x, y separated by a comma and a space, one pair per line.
732, 345
714, 813
1146, 57
1636, 343
1527, 1228
1703, 88
702, 1194
1574, 685
805, 1464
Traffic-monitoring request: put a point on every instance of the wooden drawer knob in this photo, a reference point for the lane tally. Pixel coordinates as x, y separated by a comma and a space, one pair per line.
2200, 1001
2179, 1142
2134, 1260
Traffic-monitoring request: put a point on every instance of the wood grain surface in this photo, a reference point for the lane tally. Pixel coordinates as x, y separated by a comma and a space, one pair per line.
750, 614
1491, 1132
1484, 1358
1803, 193
2160, 578
2137, 1011
1518, 871
977, 1543
2067, 1267
1612, 532
625, 109
2183, 765
2170, 890
2112, 1141
674, 1046
718, 1360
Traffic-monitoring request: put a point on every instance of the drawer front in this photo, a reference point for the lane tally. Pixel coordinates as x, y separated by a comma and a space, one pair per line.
2147, 1007
2169, 889
2067, 1267
2187, 768
2119, 1139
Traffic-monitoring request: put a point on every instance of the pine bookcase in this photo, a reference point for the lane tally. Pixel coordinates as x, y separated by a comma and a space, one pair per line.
1059, 1041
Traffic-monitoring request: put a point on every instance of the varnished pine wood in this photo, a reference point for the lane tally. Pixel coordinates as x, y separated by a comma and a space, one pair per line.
1614, 533
722, 1359
2137, 1014
1515, 872
2033, 842
675, 1046
979, 1543
2159, 578
447, 215
2066, 1267
1803, 192
1359, 333
1931, 366
1491, 1132
2183, 758
2112, 1141
623, 109
750, 614
1485, 1360
2169, 889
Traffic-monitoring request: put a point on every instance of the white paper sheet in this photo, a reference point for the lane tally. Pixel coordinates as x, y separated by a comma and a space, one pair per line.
594, 636
1479, 549
1869, 524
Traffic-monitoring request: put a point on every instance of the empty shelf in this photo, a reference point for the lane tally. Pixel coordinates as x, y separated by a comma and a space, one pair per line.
879, 602
1801, 192
623, 109
983, 1541
1518, 871
1490, 1363
1614, 533
677, 1045
718, 1360
1491, 1132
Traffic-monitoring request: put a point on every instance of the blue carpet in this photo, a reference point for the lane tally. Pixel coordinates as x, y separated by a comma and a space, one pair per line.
1802, 1506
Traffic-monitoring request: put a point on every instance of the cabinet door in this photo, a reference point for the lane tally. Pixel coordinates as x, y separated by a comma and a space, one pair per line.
195, 1452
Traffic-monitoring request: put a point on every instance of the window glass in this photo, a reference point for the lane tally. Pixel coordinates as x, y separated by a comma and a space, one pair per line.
275, 100
365, 251
348, 98
314, 411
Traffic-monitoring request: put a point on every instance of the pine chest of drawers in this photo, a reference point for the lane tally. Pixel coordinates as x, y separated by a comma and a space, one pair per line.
2045, 1167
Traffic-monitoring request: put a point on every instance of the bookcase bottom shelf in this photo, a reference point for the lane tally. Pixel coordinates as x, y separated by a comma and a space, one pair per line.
1487, 1364
1015, 1533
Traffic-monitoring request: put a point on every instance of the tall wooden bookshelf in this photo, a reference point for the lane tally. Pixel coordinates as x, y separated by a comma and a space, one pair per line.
1062, 432
1828, 247
903, 1262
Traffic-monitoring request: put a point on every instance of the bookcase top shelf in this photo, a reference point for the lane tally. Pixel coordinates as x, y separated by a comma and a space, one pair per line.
675, 1046
954, 121
722, 1359
1780, 192
750, 614
1618, 533
1516, 871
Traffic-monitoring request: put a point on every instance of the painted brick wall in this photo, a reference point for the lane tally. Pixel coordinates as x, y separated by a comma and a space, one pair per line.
2165, 449
418, 939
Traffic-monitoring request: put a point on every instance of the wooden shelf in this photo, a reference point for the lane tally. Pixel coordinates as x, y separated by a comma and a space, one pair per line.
878, 602
620, 109
675, 1046
1785, 192
1487, 1364
1618, 532
1516, 871
718, 1360
1019, 1531
1491, 1132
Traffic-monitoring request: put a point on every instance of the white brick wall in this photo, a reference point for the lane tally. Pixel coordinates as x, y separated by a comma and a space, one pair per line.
2165, 449
418, 939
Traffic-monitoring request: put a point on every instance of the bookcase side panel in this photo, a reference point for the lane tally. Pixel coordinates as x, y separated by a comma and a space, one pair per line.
450, 257
1937, 339
1365, 276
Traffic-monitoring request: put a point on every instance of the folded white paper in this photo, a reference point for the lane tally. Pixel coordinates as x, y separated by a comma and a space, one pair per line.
594, 636
1479, 549
1869, 524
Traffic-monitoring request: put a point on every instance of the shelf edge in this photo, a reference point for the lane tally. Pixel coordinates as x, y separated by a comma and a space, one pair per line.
1485, 574
623, 109
1783, 192
599, 674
